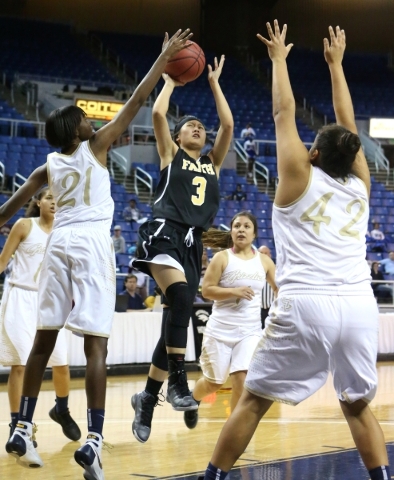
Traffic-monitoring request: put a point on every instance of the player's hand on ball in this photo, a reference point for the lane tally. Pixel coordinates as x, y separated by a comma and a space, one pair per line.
171, 81
214, 74
173, 45
276, 45
335, 48
244, 292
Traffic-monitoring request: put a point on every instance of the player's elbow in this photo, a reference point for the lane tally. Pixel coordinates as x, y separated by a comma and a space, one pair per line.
205, 291
227, 125
158, 113
285, 109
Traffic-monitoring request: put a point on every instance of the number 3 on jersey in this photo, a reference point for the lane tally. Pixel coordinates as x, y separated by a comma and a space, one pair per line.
318, 218
76, 177
201, 184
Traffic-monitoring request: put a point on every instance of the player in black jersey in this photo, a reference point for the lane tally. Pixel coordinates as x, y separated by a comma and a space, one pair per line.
170, 248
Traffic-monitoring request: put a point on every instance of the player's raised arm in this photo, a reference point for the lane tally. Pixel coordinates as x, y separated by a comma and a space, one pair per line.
334, 50
225, 132
35, 181
110, 132
165, 144
293, 157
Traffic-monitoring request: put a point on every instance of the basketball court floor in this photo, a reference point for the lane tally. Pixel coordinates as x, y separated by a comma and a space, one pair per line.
307, 442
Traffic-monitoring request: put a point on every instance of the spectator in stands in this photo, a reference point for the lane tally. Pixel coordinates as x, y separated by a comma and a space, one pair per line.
251, 152
368, 238
238, 194
381, 291
135, 301
267, 294
141, 280
132, 214
377, 239
248, 132
388, 264
119, 241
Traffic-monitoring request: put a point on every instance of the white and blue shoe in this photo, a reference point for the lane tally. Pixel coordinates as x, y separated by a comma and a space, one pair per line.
20, 445
89, 457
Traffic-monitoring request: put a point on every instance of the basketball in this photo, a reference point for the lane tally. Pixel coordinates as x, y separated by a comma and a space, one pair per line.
186, 65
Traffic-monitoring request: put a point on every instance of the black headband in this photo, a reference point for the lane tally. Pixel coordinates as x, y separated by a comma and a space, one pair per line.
188, 118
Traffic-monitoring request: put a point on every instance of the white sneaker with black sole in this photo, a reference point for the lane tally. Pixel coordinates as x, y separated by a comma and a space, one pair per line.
20, 445
89, 457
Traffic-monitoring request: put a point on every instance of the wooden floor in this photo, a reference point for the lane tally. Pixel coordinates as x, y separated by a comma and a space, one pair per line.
314, 427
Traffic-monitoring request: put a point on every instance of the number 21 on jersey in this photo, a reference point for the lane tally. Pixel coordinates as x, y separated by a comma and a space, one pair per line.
70, 182
316, 214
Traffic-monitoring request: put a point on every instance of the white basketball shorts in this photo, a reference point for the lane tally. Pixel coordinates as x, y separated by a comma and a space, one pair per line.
79, 266
223, 356
18, 326
305, 337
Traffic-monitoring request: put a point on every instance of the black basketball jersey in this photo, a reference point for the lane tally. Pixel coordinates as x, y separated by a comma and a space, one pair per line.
188, 191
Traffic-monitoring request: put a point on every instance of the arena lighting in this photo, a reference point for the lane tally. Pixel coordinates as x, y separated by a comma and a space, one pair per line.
98, 109
381, 127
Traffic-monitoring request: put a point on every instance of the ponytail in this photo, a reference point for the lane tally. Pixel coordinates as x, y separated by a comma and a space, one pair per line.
215, 238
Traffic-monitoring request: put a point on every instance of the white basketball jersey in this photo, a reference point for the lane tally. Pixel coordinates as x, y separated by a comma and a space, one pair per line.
320, 238
240, 273
81, 188
28, 258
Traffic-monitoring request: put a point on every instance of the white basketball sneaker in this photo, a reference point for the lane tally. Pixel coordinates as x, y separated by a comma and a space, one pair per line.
20, 445
89, 457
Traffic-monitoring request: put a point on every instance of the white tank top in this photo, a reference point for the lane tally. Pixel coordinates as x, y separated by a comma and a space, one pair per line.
28, 258
238, 311
320, 238
81, 188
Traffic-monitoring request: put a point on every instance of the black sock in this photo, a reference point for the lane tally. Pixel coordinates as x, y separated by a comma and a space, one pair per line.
177, 361
26, 409
213, 473
14, 419
380, 473
61, 404
96, 420
153, 386
176, 365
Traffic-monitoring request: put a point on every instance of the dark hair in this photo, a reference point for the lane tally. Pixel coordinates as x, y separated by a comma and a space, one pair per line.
33, 210
182, 121
337, 148
62, 124
374, 263
215, 238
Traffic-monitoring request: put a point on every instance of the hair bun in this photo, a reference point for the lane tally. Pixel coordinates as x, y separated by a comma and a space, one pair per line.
349, 143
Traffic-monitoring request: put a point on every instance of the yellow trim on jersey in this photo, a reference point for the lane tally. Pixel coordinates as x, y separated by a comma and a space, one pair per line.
71, 154
302, 194
365, 186
37, 220
94, 156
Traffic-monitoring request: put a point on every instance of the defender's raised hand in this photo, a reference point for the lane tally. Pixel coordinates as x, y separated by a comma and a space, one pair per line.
335, 47
276, 45
176, 43
214, 74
